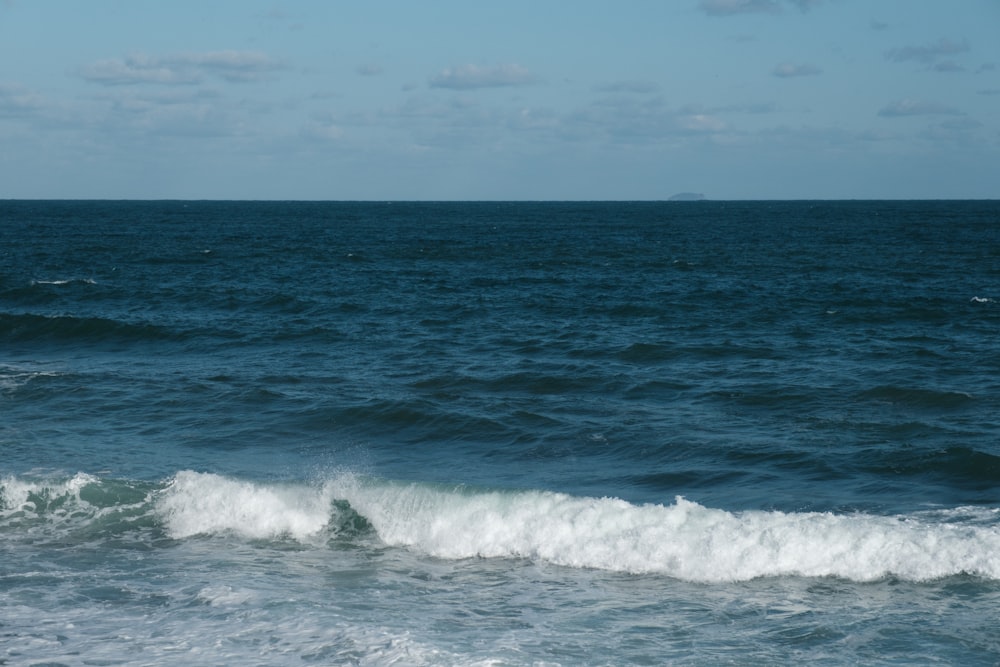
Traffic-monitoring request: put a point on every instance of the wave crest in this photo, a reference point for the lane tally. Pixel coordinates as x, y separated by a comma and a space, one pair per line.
683, 540
201, 503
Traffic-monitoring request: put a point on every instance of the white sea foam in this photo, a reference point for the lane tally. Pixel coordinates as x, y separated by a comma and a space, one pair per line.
12, 377
226, 596
84, 281
262, 634
199, 503
18, 494
683, 540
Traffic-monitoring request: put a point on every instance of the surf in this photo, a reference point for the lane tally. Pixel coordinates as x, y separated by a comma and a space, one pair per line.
681, 539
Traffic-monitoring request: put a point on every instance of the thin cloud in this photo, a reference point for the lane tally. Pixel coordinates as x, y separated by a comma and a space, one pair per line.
806, 5
643, 121
927, 53
732, 7
752, 109
911, 107
962, 124
181, 69
128, 113
788, 70
700, 123
231, 65
161, 97
369, 70
948, 66
760, 108
136, 69
323, 130
18, 101
468, 77
276, 15
639, 87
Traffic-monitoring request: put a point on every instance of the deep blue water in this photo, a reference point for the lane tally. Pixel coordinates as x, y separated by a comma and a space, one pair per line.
499, 433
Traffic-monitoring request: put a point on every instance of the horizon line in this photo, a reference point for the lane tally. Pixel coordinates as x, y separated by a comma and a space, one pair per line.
667, 200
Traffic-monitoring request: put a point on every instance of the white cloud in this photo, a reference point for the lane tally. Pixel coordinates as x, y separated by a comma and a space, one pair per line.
911, 107
927, 53
468, 77
135, 69
788, 70
181, 68
700, 123
230, 65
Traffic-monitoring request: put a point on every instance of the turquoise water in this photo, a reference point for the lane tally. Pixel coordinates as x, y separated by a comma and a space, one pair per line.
499, 433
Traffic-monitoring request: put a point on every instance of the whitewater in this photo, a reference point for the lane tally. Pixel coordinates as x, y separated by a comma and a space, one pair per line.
683, 540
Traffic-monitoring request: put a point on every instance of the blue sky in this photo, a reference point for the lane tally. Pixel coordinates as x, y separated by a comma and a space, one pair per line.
382, 99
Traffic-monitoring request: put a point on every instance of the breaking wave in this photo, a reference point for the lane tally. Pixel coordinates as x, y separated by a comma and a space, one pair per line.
683, 539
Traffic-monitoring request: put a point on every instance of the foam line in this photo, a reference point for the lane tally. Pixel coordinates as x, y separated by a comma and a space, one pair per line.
683, 540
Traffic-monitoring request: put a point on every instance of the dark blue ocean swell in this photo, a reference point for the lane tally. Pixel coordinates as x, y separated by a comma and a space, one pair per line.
749, 355
492, 433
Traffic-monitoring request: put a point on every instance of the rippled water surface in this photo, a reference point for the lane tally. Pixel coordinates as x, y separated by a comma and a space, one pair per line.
499, 433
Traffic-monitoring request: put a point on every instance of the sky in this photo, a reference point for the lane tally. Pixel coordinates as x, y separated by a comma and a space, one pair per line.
489, 100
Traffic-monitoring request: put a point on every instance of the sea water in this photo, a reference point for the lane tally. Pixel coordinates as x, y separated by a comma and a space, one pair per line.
397, 433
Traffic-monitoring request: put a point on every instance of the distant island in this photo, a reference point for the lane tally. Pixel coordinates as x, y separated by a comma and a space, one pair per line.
688, 196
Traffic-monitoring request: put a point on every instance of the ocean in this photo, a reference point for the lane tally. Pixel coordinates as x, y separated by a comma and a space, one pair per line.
499, 434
